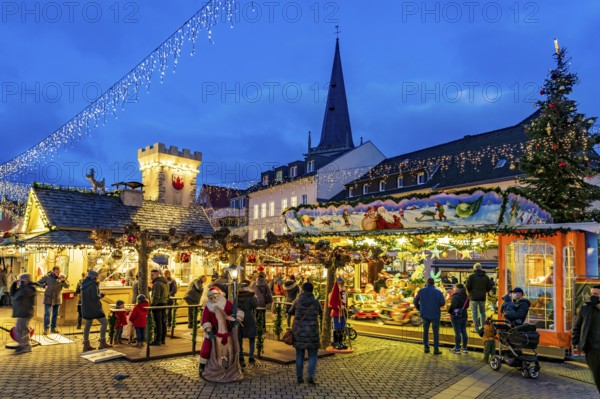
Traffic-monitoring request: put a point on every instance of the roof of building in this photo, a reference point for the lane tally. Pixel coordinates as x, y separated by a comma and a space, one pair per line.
474, 159
336, 133
217, 197
74, 210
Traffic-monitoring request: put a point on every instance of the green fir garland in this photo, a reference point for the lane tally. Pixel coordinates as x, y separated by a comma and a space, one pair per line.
112, 321
260, 333
277, 329
149, 327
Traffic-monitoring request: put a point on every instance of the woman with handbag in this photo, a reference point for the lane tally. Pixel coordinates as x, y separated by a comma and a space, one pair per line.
458, 315
305, 329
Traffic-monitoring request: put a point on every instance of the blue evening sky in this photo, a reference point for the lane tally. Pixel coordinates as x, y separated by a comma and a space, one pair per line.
417, 74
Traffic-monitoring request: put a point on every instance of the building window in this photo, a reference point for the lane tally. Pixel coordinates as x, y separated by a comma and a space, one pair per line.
284, 204
265, 180
233, 204
421, 178
279, 175
310, 166
530, 266
255, 235
263, 233
272, 208
255, 213
263, 210
294, 201
365, 189
400, 182
293, 171
500, 164
304, 199
382, 185
350, 193
242, 203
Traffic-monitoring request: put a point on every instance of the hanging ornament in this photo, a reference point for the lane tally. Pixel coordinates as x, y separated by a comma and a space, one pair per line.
97, 246
117, 254
548, 127
555, 147
260, 268
562, 164
132, 239
542, 92
552, 105
444, 255
251, 258
185, 257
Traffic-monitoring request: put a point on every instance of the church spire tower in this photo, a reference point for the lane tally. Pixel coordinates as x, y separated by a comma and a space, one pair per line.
336, 134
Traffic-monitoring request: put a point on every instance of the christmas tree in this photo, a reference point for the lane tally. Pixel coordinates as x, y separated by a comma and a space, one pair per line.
559, 158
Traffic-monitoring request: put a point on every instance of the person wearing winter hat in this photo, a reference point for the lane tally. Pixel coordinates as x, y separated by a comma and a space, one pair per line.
121, 314
217, 337
91, 309
291, 292
263, 297
338, 303
306, 310
247, 303
139, 318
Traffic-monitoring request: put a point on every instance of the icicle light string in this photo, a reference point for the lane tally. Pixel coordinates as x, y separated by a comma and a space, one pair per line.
116, 96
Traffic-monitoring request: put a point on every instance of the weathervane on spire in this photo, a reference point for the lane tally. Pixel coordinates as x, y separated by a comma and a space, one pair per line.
337, 31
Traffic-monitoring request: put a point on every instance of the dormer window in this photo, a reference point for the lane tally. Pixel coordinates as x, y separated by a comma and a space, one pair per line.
310, 166
293, 171
382, 185
400, 182
279, 175
350, 193
365, 189
421, 178
265, 180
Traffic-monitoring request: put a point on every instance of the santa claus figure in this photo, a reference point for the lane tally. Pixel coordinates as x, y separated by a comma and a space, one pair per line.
338, 303
220, 348
386, 220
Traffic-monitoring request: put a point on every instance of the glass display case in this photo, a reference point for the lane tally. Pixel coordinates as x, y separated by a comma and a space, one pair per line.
530, 266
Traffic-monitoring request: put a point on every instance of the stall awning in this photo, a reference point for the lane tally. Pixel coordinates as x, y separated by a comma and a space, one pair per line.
464, 264
590, 227
57, 237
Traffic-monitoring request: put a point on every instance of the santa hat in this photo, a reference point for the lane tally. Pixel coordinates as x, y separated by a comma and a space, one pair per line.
214, 291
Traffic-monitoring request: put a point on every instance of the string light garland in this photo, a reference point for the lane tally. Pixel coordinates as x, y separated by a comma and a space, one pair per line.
114, 99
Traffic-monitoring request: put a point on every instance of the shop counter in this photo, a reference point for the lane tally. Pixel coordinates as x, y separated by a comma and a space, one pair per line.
67, 314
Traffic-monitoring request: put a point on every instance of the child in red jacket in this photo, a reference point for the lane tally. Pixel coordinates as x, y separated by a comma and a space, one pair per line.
121, 314
138, 318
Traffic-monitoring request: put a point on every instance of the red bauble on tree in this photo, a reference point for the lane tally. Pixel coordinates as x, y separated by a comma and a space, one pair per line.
131, 239
562, 164
186, 257
251, 258
552, 105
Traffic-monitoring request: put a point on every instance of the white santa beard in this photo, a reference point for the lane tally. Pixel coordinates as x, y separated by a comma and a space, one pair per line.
210, 305
388, 217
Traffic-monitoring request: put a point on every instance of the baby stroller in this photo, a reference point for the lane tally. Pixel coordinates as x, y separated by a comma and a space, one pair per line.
511, 342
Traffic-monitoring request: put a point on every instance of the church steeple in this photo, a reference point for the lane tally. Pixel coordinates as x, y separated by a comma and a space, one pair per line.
336, 134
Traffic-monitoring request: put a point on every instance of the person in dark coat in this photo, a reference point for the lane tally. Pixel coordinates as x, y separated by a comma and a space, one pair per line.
160, 297
517, 314
458, 317
78, 293
586, 333
193, 296
429, 301
478, 285
263, 297
247, 303
91, 309
292, 289
172, 283
23, 294
306, 310
53, 282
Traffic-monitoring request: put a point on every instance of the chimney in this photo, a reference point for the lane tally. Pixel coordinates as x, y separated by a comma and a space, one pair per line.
132, 197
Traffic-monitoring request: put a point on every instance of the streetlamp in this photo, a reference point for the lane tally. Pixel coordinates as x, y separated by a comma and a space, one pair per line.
234, 272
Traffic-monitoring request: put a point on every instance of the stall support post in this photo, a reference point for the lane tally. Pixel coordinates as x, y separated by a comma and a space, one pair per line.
194, 329
173, 317
149, 330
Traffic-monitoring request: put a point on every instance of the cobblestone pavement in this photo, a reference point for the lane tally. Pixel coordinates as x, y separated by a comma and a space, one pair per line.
378, 369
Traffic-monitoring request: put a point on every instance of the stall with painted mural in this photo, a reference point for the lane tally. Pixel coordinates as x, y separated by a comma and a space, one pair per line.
406, 240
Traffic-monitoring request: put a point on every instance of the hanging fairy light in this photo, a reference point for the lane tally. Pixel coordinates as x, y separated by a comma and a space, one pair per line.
114, 99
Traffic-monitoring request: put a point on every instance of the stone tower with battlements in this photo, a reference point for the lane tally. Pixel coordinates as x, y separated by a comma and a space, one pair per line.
168, 174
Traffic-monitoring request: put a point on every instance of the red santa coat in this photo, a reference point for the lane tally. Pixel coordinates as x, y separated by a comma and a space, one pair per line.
209, 320
139, 315
336, 302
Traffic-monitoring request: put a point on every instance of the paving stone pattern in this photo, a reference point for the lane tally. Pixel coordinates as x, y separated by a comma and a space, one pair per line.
378, 369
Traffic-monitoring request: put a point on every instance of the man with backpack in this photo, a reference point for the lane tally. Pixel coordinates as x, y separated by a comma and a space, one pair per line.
478, 285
